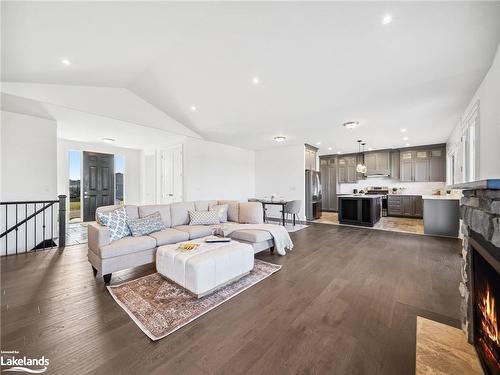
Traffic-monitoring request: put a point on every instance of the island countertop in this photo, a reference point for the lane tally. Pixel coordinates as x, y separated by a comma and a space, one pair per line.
369, 196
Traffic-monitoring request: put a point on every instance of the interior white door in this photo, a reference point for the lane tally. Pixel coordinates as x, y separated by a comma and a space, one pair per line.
171, 175
150, 179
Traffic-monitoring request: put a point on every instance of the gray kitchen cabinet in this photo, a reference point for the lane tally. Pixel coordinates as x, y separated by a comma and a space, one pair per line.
310, 159
423, 165
421, 170
347, 169
405, 205
395, 167
329, 184
377, 163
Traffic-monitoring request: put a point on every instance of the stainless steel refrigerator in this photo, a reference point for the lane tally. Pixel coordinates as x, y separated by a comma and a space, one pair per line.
313, 195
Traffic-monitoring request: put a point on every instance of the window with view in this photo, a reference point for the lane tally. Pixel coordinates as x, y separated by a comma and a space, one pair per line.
470, 143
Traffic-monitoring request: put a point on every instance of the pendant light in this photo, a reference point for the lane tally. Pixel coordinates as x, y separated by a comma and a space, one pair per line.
363, 168
359, 167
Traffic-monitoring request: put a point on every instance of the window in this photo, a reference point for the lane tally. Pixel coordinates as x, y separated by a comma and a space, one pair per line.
75, 162
470, 130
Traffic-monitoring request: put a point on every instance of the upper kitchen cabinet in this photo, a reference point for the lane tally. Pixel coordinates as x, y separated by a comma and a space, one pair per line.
395, 168
347, 169
423, 165
310, 157
378, 163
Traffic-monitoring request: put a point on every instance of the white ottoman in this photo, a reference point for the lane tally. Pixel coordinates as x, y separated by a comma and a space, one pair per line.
207, 268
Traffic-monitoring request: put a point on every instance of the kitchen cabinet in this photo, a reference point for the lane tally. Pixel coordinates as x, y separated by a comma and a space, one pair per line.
395, 167
423, 165
347, 169
405, 205
310, 159
359, 210
377, 163
328, 170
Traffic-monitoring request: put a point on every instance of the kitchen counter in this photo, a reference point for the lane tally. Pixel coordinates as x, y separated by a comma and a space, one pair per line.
441, 197
369, 196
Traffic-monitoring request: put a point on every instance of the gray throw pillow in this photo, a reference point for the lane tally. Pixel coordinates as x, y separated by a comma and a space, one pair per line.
203, 218
145, 225
221, 210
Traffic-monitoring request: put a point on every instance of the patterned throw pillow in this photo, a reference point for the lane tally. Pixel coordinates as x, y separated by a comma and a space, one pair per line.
203, 218
116, 221
145, 225
221, 210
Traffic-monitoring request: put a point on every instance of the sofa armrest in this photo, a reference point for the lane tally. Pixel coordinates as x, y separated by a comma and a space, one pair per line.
98, 236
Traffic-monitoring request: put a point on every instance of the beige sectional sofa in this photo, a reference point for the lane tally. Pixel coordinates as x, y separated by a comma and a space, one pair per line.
108, 256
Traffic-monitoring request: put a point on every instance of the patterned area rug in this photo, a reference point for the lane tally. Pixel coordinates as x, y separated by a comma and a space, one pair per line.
159, 306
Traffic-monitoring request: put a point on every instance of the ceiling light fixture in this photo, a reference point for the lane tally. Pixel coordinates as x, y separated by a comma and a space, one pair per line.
318, 143
338, 152
350, 124
370, 149
405, 138
387, 19
403, 130
329, 149
255, 80
279, 139
65, 62
193, 108
108, 140
407, 144
361, 167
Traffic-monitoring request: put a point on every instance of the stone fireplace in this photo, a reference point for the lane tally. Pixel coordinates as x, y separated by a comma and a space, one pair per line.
480, 213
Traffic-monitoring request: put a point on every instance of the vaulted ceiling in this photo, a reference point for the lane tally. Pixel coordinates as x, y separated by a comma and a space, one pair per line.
318, 64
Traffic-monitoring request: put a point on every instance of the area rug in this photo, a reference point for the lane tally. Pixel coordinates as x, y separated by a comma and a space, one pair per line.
290, 228
159, 306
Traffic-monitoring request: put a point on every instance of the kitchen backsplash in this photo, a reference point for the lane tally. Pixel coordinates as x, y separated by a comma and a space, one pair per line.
417, 188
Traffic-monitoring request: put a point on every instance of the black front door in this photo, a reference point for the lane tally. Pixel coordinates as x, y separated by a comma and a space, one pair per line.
98, 182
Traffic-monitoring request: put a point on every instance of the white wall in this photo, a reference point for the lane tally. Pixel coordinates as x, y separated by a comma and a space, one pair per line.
281, 171
28, 148
488, 95
418, 188
217, 171
132, 176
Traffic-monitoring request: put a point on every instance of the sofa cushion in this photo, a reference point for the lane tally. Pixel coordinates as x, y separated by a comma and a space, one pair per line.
127, 245
221, 210
145, 225
233, 209
116, 221
251, 213
195, 231
204, 205
163, 209
169, 236
251, 235
179, 212
132, 210
203, 218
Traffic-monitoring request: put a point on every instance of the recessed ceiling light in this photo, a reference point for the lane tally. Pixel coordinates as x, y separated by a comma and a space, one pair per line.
350, 124
338, 152
193, 108
405, 138
108, 140
279, 139
387, 19
329, 149
370, 149
65, 62
318, 143
255, 80
407, 144
403, 130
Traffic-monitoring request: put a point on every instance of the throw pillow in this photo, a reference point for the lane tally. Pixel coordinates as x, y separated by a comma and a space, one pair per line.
203, 218
145, 225
116, 221
251, 213
221, 210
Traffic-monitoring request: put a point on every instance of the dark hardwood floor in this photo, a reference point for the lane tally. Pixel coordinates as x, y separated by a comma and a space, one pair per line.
345, 302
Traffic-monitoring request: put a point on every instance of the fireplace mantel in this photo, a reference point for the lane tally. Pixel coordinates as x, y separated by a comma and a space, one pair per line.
490, 184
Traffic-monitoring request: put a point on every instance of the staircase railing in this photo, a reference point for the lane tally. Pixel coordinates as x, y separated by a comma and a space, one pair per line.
30, 225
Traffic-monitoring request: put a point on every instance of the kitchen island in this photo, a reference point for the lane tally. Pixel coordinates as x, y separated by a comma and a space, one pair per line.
363, 210
441, 215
